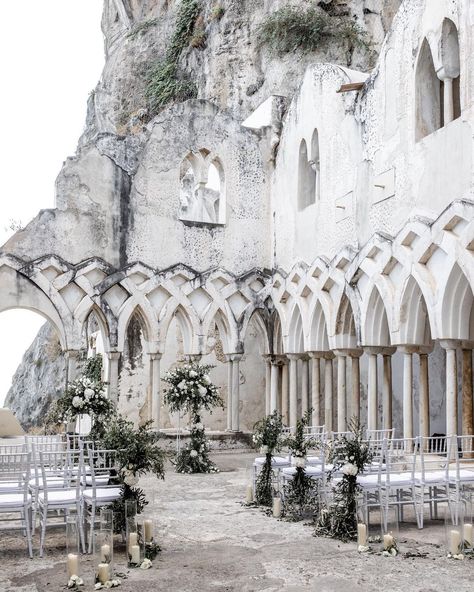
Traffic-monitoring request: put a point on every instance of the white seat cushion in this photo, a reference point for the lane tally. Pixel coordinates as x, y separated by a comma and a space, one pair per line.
313, 460
108, 494
13, 500
277, 461
59, 496
368, 481
102, 480
9, 486
51, 481
310, 471
395, 479
465, 476
431, 477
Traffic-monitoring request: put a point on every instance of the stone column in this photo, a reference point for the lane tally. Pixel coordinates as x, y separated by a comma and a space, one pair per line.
355, 379
229, 393
387, 394
407, 391
372, 394
284, 392
424, 402
328, 391
293, 411
467, 403
113, 377
155, 410
341, 390
448, 100
304, 385
268, 382
236, 392
274, 386
72, 359
315, 388
450, 346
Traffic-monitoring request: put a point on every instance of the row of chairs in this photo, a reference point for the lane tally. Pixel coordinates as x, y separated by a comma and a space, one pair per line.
50, 478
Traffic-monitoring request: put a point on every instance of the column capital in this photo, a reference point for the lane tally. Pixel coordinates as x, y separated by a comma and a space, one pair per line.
348, 352
192, 357
155, 355
294, 356
280, 359
467, 344
388, 351
450, 343
373, 349
235, 357
114, 355
407, 348
316, 354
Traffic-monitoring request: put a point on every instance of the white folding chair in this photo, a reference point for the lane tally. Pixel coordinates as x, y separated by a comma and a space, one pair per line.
61, 495
104, 486
461, 475
14, 495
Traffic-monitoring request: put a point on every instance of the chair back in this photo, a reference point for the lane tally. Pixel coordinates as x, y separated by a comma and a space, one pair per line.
58, 471
38, 441
433, 457
103, 468
15, 474
400, 456
462, 451
12, 449
378, 437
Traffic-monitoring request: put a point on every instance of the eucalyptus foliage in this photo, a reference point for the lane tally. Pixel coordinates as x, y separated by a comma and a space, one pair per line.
268, 436
294, 28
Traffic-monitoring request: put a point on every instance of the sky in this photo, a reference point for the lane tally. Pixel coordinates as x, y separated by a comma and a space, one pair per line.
51, 58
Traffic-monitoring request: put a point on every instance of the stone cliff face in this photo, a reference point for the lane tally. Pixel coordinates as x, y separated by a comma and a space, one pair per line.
39, 379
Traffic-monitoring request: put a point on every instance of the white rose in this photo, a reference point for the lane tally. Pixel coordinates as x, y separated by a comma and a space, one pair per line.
193, 453
300, 462
350, 469
77, 402
131, 480
192, 374
182, 385
199, 426
264, 449
88, 392
206, 379
202, 390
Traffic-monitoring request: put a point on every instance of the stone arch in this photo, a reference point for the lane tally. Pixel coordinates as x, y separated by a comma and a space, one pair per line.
457, 316
450, 58
17, 291
94, 316
227, 335
345, 336
295, 338
306, 178
318, 336
258, 318
277, 335
124, 322
202, 188
375, 326
414, 319
428, 94
185, 324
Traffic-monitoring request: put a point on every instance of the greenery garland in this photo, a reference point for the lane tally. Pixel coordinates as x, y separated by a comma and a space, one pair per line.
349, 455
301, 493
191, 390
268, 436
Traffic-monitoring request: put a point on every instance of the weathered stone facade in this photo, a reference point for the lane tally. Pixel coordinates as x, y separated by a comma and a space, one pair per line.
341, 226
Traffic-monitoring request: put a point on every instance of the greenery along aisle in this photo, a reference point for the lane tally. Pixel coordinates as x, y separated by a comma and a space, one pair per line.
300, 494
137, 453
85, 396
191, 390
349, 455
267, 435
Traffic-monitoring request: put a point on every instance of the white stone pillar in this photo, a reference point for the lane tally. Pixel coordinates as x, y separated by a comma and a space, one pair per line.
424, 402
293, 411
328, 391
448, 101
304, 386
268, 382
113, 377
407, 392
341, 390
451, 387
372, 394
274, 386
236, 392
229, 393
315, 389
355, 379
72, 359
155, 411
284, 393
387, 390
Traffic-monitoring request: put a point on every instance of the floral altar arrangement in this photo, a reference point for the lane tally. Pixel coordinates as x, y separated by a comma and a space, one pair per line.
268, 437
85, 396
301, 493
191, 390
349, 455
137, 453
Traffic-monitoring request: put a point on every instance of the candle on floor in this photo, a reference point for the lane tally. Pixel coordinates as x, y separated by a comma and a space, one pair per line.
387, 541
361, 535
135, 554
103, 574
276, 507
105, 553
249, 494
132, 540
148, 528
454, 542
72, 565
468, 534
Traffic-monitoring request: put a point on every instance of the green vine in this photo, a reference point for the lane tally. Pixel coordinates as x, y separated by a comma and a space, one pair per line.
166, 83
267, 435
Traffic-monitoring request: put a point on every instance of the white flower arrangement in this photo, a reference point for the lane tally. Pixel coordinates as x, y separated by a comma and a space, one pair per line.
194, 453
129, 476
75, 581
108, 584
146, 564
264, 449
363, 549
300, 462
349, 469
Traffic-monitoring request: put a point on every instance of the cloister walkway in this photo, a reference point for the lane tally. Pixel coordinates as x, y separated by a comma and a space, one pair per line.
211, 543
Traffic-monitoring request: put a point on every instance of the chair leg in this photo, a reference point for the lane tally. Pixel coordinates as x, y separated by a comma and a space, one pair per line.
80, 520
43, 518
91, 529
27, 521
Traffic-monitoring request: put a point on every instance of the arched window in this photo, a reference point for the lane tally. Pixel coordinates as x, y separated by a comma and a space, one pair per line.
451, 71
202, 197
306, 179
315, 164
428, 94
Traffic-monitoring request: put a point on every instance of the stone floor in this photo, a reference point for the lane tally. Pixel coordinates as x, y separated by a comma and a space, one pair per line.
211, 543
